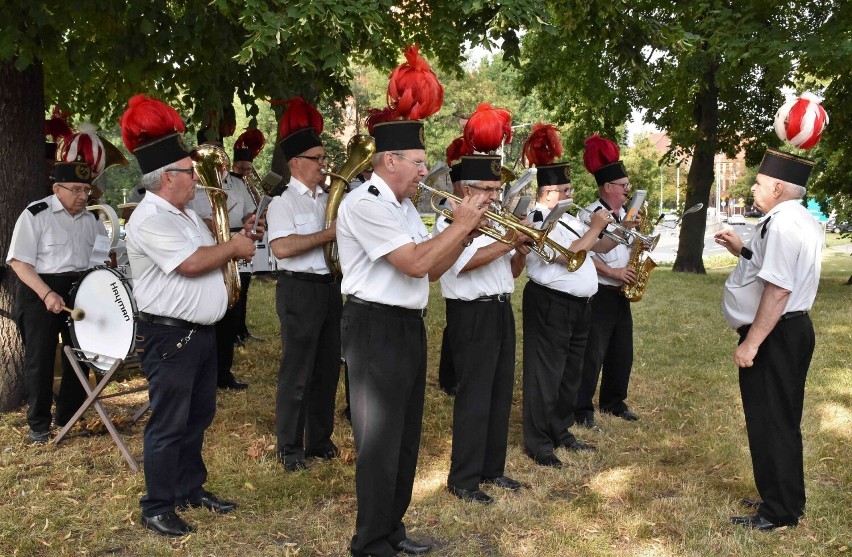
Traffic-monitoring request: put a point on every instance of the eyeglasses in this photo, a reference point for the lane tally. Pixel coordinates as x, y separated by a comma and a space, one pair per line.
190, 171
319, 159
565, 189
78, 190
421, 165
625, 186
487, 190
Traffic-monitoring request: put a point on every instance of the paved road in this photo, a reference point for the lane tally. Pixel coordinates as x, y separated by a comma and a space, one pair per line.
667, 246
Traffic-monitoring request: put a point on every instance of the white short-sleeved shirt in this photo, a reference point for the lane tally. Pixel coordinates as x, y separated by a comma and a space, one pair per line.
786, 251
296, 211
616, 258
371, 223
53, 240
487, 280
584, 281
240, 202
159, 238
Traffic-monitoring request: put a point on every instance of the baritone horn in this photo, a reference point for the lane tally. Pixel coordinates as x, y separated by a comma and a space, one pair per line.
210, 162
359, 151
546, 248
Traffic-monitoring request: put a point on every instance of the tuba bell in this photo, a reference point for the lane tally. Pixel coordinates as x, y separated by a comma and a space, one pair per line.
359, 154
211, 162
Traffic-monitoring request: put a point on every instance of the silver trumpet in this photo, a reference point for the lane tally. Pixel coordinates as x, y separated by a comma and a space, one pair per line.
614, 231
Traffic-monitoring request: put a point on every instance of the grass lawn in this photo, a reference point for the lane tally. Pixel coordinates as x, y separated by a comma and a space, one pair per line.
663, 486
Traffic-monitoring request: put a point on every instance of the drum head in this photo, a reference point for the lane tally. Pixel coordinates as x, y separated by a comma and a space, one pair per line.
108, 330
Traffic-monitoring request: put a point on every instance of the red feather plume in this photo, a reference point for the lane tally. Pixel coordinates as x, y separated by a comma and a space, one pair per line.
146, 119
600, 152
298, 115
378, 116
251, 139
543, 146
57, 126
457, 149
414, 91
488, 128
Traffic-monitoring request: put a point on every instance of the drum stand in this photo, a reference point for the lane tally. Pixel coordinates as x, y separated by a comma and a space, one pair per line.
93, 400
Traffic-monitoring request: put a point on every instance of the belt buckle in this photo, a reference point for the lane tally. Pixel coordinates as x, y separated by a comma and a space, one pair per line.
503, 297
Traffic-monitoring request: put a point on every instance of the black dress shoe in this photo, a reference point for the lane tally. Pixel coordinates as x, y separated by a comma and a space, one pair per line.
751, 502
38, 437
325, 454
757, 522
626, 414
210, 502
233, 385
470, 495
578, 446
295, 465
589, 423
168, 524
504, 482
550, 460
411, 547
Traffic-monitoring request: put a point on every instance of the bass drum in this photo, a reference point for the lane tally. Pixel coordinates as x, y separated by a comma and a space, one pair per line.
107, 331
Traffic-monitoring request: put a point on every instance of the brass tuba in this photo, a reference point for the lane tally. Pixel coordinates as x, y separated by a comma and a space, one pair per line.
359, 154
211, 162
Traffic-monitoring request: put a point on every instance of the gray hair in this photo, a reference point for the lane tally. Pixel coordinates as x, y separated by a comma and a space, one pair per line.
795, 191
151, 180
470, 183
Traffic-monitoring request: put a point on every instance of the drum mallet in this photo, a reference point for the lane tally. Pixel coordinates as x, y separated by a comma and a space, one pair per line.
77, 314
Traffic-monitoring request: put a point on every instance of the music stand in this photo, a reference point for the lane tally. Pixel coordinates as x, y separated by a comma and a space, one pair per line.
94, 400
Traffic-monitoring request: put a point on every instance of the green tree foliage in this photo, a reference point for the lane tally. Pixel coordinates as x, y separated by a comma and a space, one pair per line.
708, 72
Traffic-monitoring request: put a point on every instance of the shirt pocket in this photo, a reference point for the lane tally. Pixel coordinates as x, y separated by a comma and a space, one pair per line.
53, 237
306, 223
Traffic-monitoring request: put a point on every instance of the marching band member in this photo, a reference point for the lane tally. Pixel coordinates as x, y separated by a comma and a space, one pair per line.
50, 249
556, 311
481, 325
246, 148
386, 255
180, 293
446, 372
241, 208
611, 333
307, 297
767, 299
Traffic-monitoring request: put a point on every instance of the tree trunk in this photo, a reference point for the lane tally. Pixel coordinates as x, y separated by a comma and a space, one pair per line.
700, 178
22, 174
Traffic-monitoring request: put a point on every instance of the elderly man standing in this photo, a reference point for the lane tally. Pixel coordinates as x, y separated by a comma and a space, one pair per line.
50, 248
387, 259
307, 297
180, 294
767, 299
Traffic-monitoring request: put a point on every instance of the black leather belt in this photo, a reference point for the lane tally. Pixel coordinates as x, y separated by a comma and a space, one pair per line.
565, 295
170, 321
310, 277
396, 310
72, 274
789, 315
609, 287
494, 298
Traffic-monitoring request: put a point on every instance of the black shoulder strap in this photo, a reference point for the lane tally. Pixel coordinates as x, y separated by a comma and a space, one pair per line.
537, 216
374, 190
569, 228
608, 208
141, 191
764, 227
37, 208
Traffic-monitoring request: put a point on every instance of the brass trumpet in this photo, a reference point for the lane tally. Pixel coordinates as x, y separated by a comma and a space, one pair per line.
623, 235
546, 248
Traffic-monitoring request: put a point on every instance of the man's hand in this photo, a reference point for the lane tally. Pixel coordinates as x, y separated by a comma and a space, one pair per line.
470, 211
249, 224
744, 355
53, 302
600, 219
728, 239
624, 274
242, 245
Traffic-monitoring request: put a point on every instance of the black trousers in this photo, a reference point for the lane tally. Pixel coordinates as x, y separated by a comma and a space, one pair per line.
555, 333
226, 333
40, 330
386, 354
182, 391
446, 372
309, 370
773, 392
242, 305
610, 347
482, 339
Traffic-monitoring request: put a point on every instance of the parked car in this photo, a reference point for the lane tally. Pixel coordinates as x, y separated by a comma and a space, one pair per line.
835, 227
736, 219
754, 213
